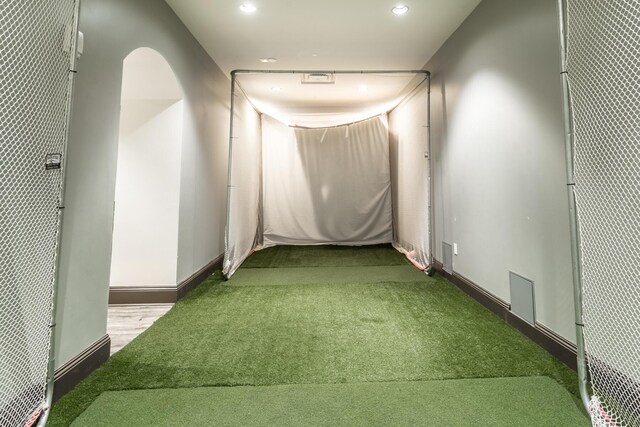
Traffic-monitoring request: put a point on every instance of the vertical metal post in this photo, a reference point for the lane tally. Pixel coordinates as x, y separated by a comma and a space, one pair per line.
431, 270
51, 368
229, 165
573, 214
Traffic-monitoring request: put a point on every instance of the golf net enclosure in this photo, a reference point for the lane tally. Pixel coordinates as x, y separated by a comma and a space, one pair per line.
603, 69
379, 191
37, 53
353, 168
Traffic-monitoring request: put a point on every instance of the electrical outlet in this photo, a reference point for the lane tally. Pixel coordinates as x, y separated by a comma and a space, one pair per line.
455, 249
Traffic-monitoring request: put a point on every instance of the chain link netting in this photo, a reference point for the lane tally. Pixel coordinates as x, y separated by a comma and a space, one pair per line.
603, 63
35, 45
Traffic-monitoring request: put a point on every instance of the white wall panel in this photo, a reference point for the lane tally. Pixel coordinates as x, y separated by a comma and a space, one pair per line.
147, 198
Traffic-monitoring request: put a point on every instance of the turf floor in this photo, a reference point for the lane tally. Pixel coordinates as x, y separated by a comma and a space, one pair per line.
324, 256
486, 402
343, 319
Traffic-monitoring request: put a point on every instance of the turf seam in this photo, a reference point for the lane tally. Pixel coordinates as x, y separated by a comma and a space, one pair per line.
381, 381
409, 380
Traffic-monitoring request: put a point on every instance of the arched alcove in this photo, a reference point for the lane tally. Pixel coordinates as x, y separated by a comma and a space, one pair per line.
147, 196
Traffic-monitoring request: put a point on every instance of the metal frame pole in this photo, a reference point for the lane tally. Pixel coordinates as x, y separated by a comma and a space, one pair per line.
573, 213
397, 72
431, 270
42, 421
229, 164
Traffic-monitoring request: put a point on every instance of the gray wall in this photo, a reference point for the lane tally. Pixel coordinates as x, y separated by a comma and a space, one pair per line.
498, 144
112, 29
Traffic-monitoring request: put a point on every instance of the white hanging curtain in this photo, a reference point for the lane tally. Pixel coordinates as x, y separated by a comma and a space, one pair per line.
326, 185
409, 145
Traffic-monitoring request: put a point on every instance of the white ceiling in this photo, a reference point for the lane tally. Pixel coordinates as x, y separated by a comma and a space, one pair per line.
344, 34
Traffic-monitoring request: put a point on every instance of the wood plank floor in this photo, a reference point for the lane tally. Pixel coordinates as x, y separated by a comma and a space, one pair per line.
125, 322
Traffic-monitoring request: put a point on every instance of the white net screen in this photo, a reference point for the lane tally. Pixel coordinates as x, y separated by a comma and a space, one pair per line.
243, 229
603, 63
409, 146
35, 45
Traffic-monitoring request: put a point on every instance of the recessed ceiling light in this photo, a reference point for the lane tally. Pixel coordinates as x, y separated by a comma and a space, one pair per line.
268, 60
276, 89
400, 9
363, 88
248, 8
314, 54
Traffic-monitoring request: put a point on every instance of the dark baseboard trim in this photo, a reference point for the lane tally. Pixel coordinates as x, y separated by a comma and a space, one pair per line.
120, 295
484, 297
553, 343
142, 295
198, 277
566, 350
71, 373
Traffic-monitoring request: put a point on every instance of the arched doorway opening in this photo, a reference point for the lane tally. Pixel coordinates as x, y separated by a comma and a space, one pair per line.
147, 194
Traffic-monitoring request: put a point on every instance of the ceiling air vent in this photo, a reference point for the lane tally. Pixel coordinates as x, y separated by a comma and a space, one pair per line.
318, 79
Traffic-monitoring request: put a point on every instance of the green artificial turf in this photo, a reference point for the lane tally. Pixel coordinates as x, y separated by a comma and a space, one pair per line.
508, 402
249, 331
324, 256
